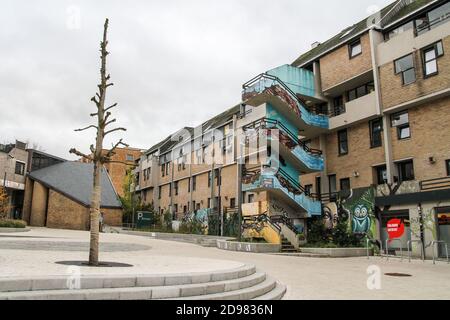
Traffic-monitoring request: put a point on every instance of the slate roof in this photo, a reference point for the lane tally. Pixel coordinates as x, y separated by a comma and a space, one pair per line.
349, 33
74, 180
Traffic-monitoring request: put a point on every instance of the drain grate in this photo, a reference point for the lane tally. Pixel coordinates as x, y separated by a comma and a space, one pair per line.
395, 274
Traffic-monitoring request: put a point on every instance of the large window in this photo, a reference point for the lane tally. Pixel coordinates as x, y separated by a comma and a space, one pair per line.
430, 56
405, 67
355, 49
401, 122
342, 142
405, 170
381, 174
338, 106
376, 128
345, 184
360, 91
20, 168
432, 19
399, 30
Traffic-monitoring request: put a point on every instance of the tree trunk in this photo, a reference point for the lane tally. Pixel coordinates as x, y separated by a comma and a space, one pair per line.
95, 217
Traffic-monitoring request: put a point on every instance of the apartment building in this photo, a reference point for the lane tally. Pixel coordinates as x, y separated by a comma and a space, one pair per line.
365, 112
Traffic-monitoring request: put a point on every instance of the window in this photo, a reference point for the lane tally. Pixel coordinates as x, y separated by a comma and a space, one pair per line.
218, 177
405, 67
198, 207
360, 91
194, 183
209, 203
163, 170
232, 202
401, 122
432, 19
430, 55
159, 192
407, 26
209, 178
189, 185
251, 198
342, 142
167, 168
447, 165
130, 157
381, 174
376, 127
355, 49
405, 170
345, 184
176, 187
308, 189
332, 183
20, 168
338, 106
170, 189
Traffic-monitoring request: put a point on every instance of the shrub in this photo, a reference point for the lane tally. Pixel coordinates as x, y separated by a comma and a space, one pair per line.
8, 223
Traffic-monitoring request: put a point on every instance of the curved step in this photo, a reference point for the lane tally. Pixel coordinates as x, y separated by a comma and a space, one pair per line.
276, 294
122, 281
140, 293
242, 294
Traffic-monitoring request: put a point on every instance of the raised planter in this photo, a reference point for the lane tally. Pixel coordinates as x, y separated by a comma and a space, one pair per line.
248, 247
338, 252
13, 230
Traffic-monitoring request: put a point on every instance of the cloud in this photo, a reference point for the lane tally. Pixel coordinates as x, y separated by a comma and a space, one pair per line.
174, 63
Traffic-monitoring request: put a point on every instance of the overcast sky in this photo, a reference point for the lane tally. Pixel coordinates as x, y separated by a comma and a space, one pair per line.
175, 63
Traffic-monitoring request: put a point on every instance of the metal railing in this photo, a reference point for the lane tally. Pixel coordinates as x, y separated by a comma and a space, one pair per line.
434, 245
265, 76
264, 122
427, 26
435, 184
409, 244
386, 249
277, 219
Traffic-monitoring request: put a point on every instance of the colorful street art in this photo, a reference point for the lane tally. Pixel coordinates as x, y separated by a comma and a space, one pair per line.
359, 206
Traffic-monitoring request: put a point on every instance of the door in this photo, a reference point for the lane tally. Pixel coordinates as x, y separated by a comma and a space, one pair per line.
443, 221
318, 186
401, 241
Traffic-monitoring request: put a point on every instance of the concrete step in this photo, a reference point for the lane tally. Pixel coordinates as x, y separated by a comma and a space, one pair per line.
9, 284
141, 293
276, 294
243, 294
301, 254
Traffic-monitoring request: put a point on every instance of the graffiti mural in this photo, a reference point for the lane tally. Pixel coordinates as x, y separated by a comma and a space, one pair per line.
359, 206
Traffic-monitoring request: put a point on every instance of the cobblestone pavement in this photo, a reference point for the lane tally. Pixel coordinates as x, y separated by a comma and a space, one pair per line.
306, 278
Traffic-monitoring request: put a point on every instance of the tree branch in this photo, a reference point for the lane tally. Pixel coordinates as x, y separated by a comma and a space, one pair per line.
110, 107
109, 122
80, 154
113, 130
88, 127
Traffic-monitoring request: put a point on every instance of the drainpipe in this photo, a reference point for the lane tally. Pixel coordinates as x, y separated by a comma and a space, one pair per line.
171, 187
240, 168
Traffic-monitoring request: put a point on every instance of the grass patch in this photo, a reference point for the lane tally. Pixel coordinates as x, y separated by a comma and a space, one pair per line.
8, 223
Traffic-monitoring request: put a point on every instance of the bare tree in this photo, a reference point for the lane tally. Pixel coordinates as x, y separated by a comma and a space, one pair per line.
97, 156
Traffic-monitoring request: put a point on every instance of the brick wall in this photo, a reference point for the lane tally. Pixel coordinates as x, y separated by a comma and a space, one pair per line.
337, 66
430, 137
393, 92
64, 213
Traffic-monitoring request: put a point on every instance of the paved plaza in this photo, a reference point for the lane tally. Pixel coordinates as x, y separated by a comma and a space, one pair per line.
34, 253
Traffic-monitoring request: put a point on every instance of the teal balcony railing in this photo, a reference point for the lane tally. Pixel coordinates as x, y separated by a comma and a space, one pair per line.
280, 180
309, 157
272, 85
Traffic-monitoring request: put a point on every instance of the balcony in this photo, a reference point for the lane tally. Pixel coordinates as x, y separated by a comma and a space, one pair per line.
284, 186
356, 110
305, 159
267, 88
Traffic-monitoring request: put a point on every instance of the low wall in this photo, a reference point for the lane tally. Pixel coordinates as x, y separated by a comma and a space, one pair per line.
12, 230
248, 247
338, 252
206, 241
